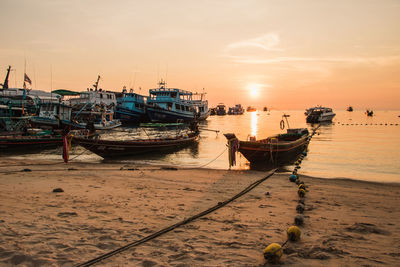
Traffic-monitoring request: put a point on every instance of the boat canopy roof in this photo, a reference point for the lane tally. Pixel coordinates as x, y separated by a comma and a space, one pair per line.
65, 92
163, 90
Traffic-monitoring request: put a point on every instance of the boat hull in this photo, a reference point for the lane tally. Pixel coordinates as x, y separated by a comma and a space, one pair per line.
321, 118
163, 115
28, 144
112, 149
127, 116
271, 155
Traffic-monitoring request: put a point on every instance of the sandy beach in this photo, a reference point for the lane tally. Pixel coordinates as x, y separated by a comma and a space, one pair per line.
105, 206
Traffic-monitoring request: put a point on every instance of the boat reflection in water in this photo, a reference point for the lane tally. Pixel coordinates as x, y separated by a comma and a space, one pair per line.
254, 124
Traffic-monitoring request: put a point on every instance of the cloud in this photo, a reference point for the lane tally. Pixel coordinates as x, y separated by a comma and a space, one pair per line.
354, 60
248, 52
267, 42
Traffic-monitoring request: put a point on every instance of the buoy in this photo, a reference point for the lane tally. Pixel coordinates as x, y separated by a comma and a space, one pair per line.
302, 186
299, 220
273, 253
293, 233
293, 178
301, 192
304, 153
300, 208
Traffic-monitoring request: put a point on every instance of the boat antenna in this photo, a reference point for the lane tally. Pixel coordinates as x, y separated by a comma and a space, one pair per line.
166, 74
287, 122
134, 80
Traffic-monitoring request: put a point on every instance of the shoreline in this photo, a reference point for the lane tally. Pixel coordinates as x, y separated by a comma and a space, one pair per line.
102, 210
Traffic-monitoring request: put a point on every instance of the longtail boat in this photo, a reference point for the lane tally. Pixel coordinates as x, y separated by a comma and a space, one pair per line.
16, 141
277, 150
117, 148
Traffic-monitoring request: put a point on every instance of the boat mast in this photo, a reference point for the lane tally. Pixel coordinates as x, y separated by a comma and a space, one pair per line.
97, 83
5, 84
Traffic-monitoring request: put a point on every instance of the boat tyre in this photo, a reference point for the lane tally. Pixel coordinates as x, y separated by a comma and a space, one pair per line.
282, 124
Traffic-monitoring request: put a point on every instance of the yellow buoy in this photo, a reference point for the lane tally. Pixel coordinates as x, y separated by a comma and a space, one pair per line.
302, 186
273, 253
301, 192
293, 233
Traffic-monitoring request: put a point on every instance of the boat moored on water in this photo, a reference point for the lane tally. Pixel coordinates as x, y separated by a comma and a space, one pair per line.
251, 109
220, 109
274, 151
349, 109
95, 106
31, 140
369, 112
319, 114
111, 148
172, 105
236, 110
131, 107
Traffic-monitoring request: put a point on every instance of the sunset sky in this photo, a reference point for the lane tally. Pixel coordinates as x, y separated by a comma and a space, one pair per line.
286, 54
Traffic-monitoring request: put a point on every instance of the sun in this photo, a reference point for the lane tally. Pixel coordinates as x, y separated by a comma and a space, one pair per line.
254, 90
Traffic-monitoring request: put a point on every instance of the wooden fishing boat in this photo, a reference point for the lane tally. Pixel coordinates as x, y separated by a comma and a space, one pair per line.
277, 150
117, 148
17, 141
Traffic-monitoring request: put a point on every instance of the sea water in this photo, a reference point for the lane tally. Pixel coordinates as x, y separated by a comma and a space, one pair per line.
353, 146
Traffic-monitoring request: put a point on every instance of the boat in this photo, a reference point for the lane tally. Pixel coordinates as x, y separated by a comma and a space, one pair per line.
265, 109
54, 114
213, 111
131, 107
309, 110
108, 148
172, 105
349, 109
251, 109
320, 114
220, 109
29, 141
94, 105
369, 112
236, 110
274, 151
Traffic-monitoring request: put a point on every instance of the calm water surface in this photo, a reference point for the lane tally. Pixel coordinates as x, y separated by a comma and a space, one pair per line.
346, 148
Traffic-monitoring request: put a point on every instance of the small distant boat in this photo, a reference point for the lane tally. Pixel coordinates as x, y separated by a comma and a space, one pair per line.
319, 114
221, 109
265, 109
251, 109
277, 150
369, 112
236, 110
349, 108
213, 111
117, 148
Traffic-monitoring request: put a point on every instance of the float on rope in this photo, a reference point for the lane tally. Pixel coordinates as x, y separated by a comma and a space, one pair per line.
273, 253
293, 233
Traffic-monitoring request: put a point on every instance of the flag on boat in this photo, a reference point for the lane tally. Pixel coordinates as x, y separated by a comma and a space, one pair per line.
27, 79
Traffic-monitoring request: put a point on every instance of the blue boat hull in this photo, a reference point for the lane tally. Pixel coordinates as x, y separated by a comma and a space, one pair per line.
130, 116
162, 115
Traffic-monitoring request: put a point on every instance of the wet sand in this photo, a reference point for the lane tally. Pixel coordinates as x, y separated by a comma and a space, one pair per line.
105, 206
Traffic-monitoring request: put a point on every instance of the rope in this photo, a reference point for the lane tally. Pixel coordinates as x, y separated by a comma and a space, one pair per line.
172, 227
201, 166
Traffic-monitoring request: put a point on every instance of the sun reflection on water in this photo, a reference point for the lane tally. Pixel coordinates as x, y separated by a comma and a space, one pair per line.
254, 124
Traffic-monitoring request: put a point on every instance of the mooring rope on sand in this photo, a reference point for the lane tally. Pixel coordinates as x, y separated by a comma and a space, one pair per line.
172, 227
